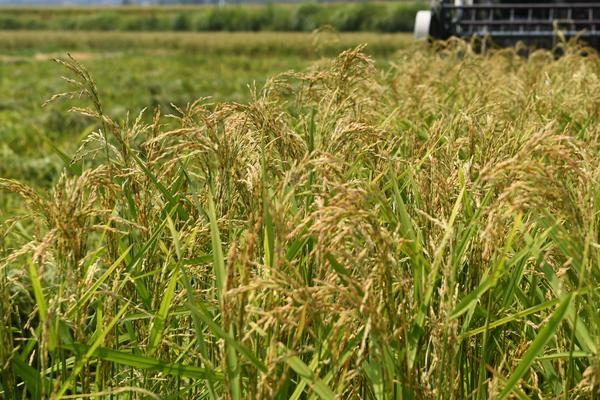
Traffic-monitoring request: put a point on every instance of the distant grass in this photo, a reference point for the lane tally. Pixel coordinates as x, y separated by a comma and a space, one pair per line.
424, 231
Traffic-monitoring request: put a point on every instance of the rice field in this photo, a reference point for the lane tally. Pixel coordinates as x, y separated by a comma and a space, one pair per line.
419, 227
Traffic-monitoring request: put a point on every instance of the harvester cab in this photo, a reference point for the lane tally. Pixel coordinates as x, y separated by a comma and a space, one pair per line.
536, 23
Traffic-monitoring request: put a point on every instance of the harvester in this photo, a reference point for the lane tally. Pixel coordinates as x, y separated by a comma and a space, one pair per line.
535, 23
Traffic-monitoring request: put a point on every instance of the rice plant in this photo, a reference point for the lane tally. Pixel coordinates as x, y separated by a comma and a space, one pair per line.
428, 230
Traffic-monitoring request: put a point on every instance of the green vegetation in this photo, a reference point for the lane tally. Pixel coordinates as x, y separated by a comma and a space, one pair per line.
364, 16
422, 228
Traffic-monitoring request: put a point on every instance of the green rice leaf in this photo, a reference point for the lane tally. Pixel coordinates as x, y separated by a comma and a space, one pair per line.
217, 249
160, 319
537, 346
199, 311
145, 363
307, 375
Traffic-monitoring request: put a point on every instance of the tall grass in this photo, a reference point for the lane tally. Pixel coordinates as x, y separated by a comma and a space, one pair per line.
427, 231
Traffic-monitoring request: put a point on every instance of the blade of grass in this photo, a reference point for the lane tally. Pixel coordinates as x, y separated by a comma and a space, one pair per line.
299, 390
418, 328
38, 293
470, 300
160, 319
307, 375
145, 363
30, 376
510, 318
90, 292
98, 340
218, 259
537, 346
220, 275
198, 329
42, 306
199, 311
